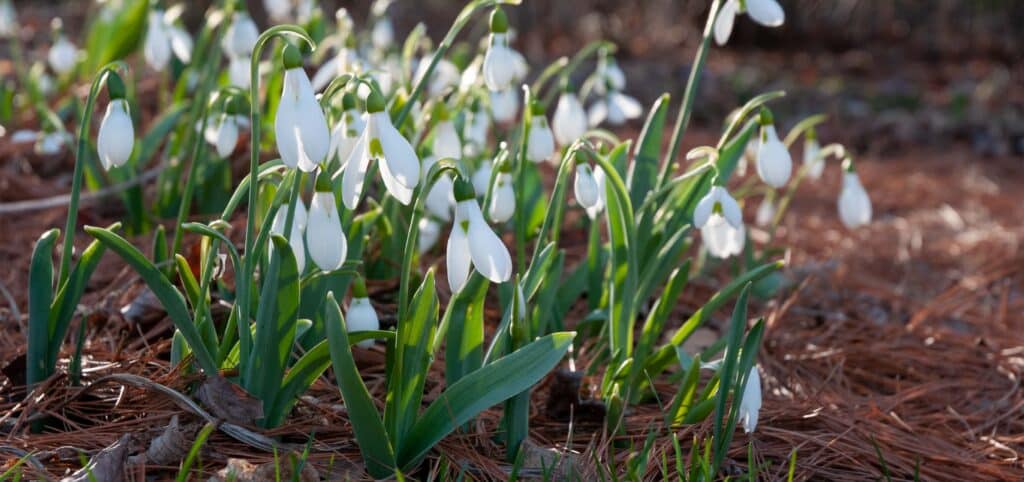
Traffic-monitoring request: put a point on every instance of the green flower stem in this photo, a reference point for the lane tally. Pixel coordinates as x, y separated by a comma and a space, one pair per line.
446, 165
520, 181
80, 155
460, 21
690, 95
254, 159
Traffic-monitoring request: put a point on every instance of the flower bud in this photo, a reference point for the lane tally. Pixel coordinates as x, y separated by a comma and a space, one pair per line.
116, 136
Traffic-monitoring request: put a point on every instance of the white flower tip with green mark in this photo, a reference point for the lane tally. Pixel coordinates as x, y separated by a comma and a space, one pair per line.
719, 202
362, 317
721, 238
116, 136
774, 164
854, 203
324, 237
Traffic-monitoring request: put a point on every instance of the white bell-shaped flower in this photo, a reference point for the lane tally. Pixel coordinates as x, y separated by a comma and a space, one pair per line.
570, 120
472, 243
157, 47
362, 317
345, 136
181, 43
303, 139
324, 237
720, 220
600, 182
226, 135
504, 105
444, 77
750, 405
765, 212
430, 233
503, 199
540, 145
380, 140
240, 38
440, 199
8, 19
585, 187
774, 164
475, 132
500, 63
765, 12
295, 238
482, 176
63, 55
446, 140
278, 10
718, 202
854, 203
238, 72
116, 136
814, 162
383, 34
615, 108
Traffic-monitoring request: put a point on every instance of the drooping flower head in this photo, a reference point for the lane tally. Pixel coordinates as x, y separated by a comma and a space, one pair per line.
540, 141
345, 135
503, 196
240, 38
361, 315
765, 12
774, 164
854, 203
303, 139
473, 244
612, 105
570, 120
63, 55
750, 405
720, 220
296, 239
116, 136
585, 187
381, 141
499, 68
325, 238
814, 162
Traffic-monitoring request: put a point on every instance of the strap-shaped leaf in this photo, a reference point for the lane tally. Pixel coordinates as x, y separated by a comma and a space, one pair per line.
412, 360
464, 329
643, 172
169, 296
40, 293
276, 317
63, 307
480, 390
366, 423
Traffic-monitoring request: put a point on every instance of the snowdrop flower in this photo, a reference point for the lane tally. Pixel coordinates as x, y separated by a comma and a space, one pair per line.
445, 76
361, 316
608, 73
278, 10
346, 131
303, 139
614, 107
720, 221
585, 187
854, 203
446, 138
8, 19
481, 178
63, 54
383, 34
774, 165
504, 105
240, 37
52, 142
765, 212
24, 136
157, 47
239, 74
475, 131
295, 238
440, 199
116, 136
600, 182
503, 197
472, 243
324, 236
430, 232
765, 12
813, 160
570, 120
399, 166
750, 405
345, 61
500, 65
224, 135
541, 142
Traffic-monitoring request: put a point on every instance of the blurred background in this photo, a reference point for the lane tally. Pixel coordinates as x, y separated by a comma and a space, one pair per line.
892, 74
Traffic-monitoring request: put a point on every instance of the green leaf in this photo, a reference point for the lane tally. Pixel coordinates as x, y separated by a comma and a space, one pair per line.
369, 430
169, 296
160, 245
305, 371
276, 317
188, 280
643, 172
480, 390
64, 305
654, 327
40, 294
737, 327
411, 361
464, 322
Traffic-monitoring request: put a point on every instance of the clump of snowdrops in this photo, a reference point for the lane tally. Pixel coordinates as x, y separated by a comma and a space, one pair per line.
388, 148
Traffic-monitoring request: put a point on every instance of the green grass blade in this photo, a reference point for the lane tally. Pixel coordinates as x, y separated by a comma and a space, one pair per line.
412, 360
737, 327
305, 371
193, 453
480, 390
40, 295
366, 423
643, 172
464, 335
169, 296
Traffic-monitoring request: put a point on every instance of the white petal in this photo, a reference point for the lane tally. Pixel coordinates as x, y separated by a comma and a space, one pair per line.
362, 317
355, 170
705, 207
298, 248
812, 159
241, 36
310, 124
602, 185
503, 199
750, 405
399, 156
116, 136
598, 112
481, 179
584, 187
766, 12
383, 34
774, 164
541, 143
489, 254
499, 64
181, 43
328, 71
630, 107
157, 47
457, 258
720, 238
227, 137
324, 236
62, 56
285, 122
765, 212
854, 203
430, 232
438, 200
570, 120
725, 20
504, 105
446, 141
730, 209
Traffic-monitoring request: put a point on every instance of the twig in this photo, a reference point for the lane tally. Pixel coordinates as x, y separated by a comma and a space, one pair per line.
64, 199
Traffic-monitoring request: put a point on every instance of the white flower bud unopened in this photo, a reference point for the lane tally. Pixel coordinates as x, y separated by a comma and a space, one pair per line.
585, 188
541, 142
63, 55
854, 203
303, 139
116, 136
324, 237
774, 164
503, 199
750, 405
362, 317
570, 120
